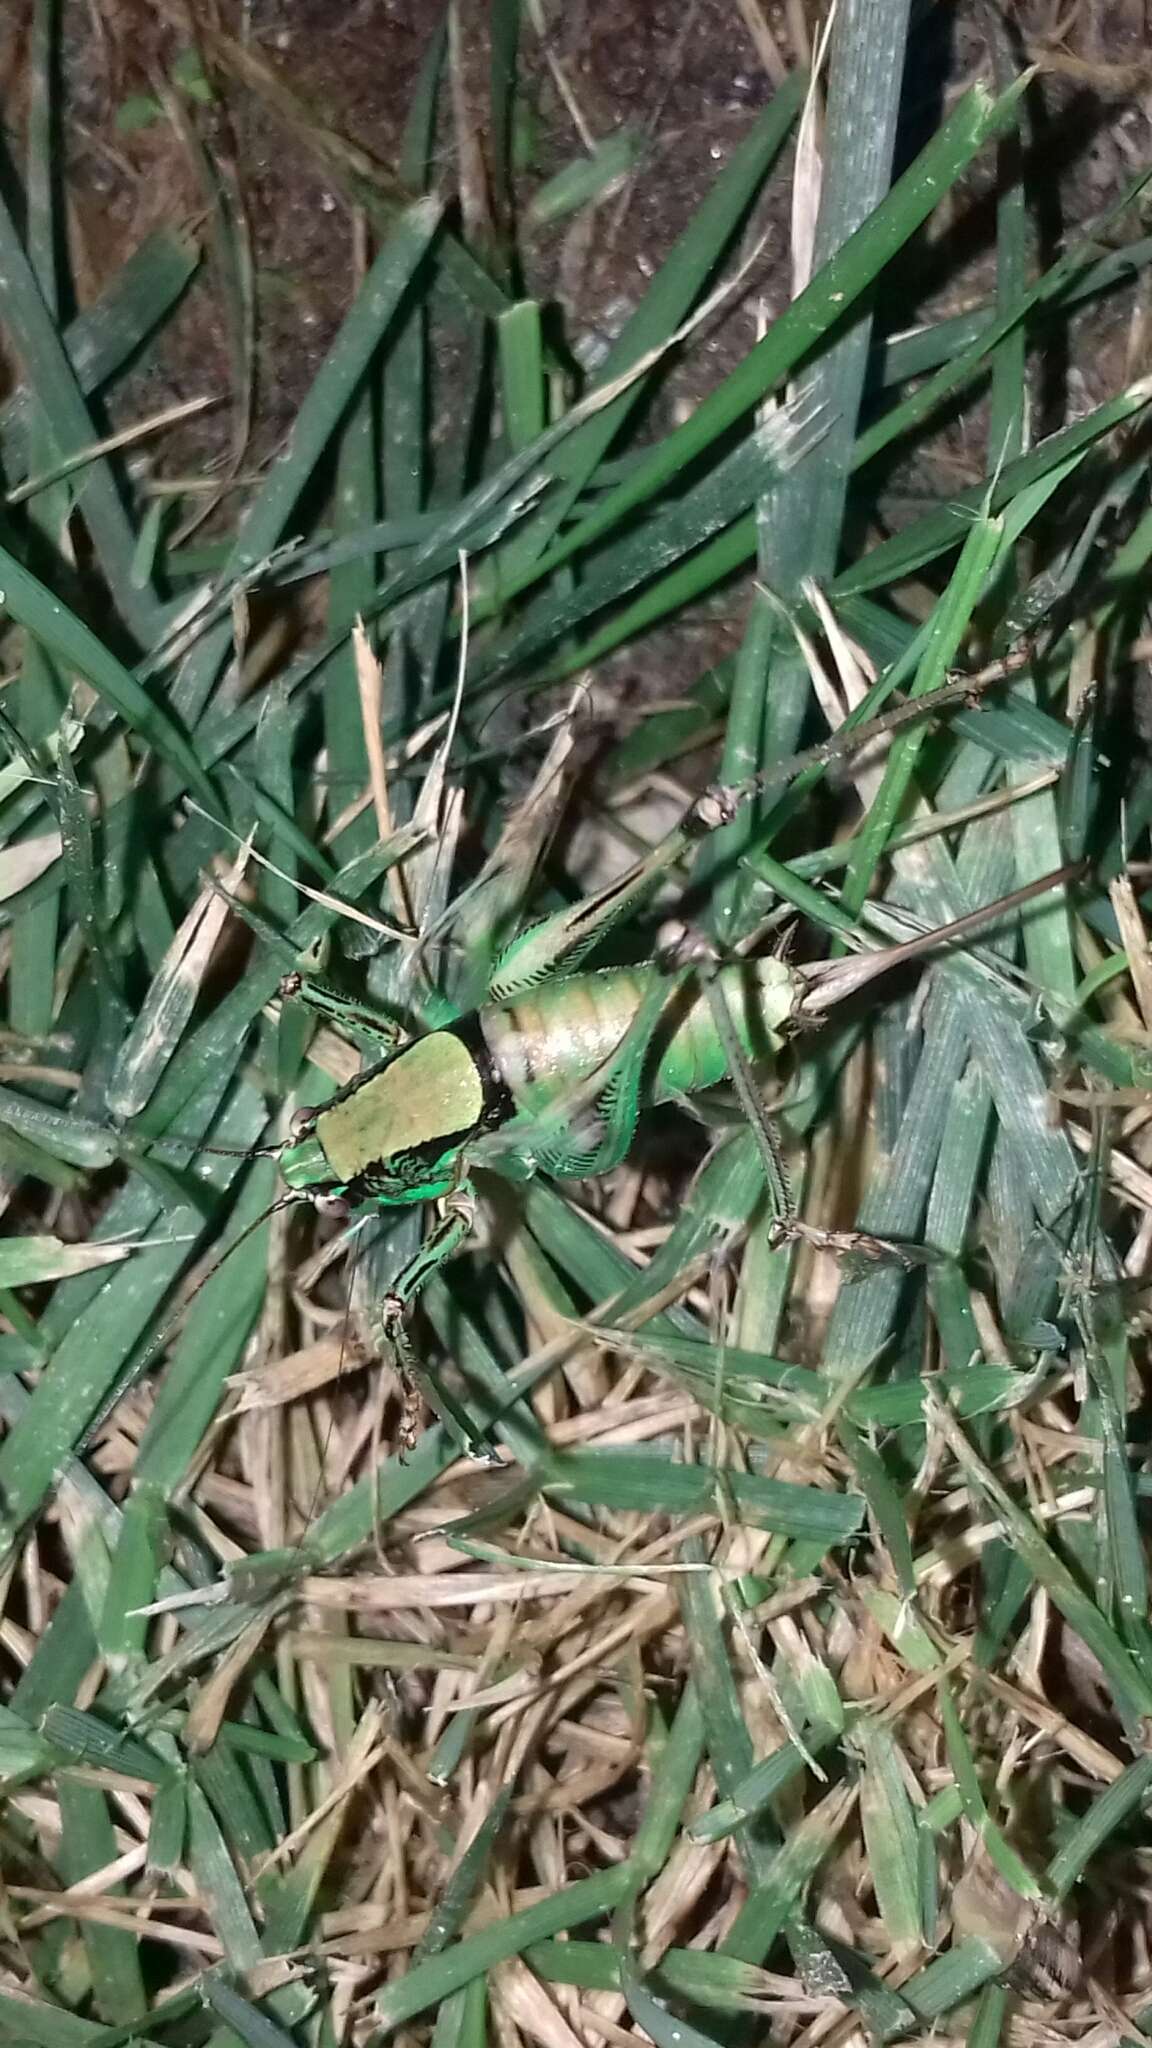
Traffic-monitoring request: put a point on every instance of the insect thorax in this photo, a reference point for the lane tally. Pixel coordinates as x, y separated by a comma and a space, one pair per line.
396, 1133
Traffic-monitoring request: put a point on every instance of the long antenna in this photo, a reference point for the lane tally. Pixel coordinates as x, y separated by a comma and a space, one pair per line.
153, 1350
193, 1146
288, 1201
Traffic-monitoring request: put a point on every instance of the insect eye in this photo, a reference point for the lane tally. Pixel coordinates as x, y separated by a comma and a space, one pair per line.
302, 1122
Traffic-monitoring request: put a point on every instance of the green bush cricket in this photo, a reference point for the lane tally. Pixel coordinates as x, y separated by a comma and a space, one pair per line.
553, 1069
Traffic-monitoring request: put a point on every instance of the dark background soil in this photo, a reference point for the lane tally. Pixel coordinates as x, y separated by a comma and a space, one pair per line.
686, 75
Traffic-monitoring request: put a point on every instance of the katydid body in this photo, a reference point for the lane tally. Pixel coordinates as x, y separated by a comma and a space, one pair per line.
569, 1029
404, 1131
408, 1130
552, 1079
552, 1069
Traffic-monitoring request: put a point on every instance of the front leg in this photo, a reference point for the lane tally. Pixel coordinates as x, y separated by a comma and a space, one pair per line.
444, 1240
371, 1033
441, 1244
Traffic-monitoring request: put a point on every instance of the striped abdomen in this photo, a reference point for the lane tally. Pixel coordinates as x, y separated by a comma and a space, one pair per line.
544, 1043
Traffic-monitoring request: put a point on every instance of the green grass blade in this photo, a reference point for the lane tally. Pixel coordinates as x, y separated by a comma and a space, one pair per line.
377, 303
833, 291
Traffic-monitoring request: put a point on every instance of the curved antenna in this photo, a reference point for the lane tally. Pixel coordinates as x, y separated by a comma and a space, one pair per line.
153, 1350
192, 1145
288, 1201
320, 1489
233, 1151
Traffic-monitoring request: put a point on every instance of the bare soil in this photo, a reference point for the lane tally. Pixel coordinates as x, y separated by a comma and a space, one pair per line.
304, 93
